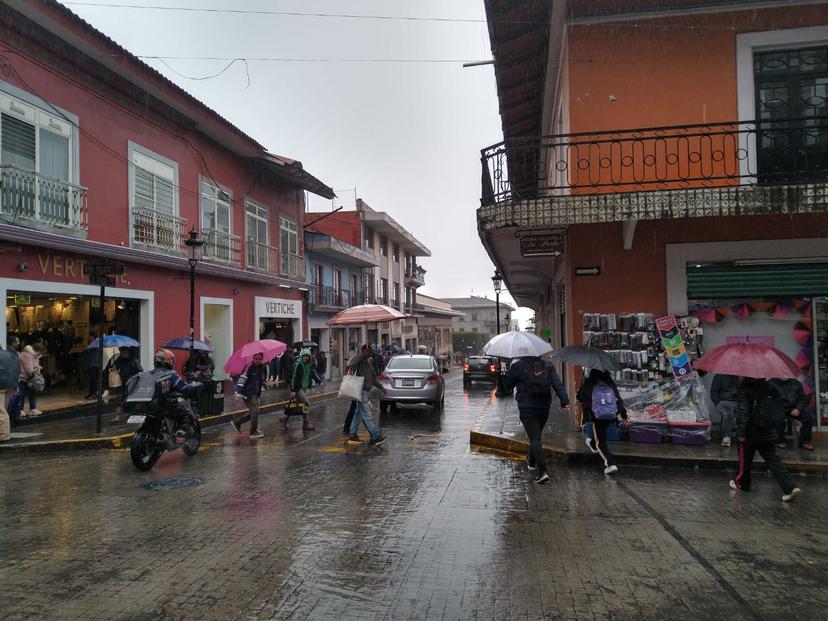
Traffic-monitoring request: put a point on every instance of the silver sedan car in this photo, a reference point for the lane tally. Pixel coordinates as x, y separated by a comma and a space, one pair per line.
411, 378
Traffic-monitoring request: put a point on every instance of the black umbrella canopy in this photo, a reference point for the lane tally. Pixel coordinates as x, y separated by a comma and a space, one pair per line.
588, 357
305, 343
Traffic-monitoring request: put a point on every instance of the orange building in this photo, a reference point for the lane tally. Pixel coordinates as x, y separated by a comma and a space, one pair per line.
665, 157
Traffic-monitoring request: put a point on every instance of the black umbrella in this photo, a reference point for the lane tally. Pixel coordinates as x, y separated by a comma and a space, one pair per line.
305, 343
589, 357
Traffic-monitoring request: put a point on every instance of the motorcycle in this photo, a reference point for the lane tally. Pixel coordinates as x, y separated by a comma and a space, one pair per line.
167, 419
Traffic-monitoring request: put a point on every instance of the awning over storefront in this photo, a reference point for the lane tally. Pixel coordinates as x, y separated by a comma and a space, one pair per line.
732, 280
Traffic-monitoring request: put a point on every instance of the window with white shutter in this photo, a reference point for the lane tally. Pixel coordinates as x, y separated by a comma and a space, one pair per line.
154, 200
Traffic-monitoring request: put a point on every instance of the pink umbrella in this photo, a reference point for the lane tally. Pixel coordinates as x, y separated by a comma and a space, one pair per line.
748, 360
244, 355
365, 313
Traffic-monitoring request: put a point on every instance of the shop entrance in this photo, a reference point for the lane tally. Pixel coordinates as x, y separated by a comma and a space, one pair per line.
277, 329
64, 324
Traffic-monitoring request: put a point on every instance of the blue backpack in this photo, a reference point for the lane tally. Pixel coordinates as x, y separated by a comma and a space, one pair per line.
604, 402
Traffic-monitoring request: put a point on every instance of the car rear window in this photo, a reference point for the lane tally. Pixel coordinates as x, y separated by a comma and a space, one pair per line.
399, 362
483, 359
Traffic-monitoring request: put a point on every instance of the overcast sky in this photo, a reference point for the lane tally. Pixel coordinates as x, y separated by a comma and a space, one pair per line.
407, 136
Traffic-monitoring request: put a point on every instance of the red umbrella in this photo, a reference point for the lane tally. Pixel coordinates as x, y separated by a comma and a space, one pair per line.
365, 313
749, 360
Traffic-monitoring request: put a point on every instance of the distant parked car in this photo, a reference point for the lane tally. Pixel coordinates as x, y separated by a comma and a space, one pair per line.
412, 378
480, 369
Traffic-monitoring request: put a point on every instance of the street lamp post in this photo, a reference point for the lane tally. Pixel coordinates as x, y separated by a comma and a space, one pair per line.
497, 281
194, 249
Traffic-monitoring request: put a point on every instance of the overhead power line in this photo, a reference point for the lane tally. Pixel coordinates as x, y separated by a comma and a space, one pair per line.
460, 20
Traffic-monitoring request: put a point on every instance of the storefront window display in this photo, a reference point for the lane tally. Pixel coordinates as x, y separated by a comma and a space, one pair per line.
64, 324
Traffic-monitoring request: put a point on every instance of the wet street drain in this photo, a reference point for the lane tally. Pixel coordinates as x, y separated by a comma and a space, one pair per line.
162, 485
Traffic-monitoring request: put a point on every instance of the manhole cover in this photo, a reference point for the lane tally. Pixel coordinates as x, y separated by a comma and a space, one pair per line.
162, 485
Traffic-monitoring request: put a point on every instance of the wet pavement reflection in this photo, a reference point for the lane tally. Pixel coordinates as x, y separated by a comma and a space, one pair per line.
300, 525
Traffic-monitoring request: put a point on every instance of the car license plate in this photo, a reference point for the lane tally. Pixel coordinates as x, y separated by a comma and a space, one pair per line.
135, 419
408, 383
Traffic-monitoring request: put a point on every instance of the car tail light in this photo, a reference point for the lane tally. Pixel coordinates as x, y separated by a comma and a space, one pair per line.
465, 367
384, 378
492, 368
433, 379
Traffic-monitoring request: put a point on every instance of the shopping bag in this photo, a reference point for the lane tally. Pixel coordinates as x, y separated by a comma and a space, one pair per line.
294, 408
114, 379
9, 370
15, 406
351, 387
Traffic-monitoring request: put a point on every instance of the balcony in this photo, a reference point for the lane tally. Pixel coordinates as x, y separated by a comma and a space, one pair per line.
718, 169
220, 247
328, 297
293, 266
414, 275
36, 201
261, 257
158, 230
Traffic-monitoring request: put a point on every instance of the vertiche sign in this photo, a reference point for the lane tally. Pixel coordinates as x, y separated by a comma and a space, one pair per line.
541, 242
278, 307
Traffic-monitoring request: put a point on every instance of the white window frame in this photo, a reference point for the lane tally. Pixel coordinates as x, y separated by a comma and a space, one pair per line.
256, 213
215, 199
33, 111
292, 228
133, 149
746, 45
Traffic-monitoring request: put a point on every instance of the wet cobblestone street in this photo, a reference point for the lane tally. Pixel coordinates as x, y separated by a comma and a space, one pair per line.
300, 526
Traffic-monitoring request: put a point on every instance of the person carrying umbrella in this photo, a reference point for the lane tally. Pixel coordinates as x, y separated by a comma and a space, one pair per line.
126, 364
762, 413
249, 388
601, 404
535, 380
301, 379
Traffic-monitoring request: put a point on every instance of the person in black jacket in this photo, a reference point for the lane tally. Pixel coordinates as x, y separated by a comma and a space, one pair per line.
796, 408
534, 407
598, 442
249, 389
759, 414
726, 394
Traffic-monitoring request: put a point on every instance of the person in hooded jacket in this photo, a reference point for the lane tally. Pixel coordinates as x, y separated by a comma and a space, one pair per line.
598, 442
726, 394
759, 414
249, 388
534, 407
796, 408
301, 379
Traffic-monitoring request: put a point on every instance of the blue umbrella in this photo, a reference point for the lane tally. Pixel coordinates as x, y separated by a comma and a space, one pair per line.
114, 340
183, 342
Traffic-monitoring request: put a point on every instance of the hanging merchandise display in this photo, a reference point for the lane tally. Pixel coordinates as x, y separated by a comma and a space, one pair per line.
674, 348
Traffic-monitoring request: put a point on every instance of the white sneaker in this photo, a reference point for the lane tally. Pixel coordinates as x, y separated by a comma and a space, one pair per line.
543, 478
726, 441
105, 394
610, 469
794, 493
35, 412
589, 446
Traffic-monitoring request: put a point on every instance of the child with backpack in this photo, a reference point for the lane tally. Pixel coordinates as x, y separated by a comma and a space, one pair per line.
601, 405
762, 411
535, 380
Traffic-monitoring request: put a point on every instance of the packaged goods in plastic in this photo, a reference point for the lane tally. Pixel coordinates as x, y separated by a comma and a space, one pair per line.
667, 405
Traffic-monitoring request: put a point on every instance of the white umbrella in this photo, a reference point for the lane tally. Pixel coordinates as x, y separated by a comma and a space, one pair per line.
516, 345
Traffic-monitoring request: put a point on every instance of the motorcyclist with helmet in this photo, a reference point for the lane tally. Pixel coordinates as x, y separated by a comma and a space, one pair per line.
179, 408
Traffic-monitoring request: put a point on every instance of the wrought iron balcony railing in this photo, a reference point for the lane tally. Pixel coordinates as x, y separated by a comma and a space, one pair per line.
336, 298
220, 247
29, 198
778, 151
293, 266
158, 229
260, 257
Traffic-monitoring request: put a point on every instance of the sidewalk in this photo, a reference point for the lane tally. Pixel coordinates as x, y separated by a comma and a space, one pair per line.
78, 433
499, 429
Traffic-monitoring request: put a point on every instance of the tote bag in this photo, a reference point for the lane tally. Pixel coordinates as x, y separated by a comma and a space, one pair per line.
351, 387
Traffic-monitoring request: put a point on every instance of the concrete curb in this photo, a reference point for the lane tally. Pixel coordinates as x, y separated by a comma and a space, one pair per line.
518, 448
121, 441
